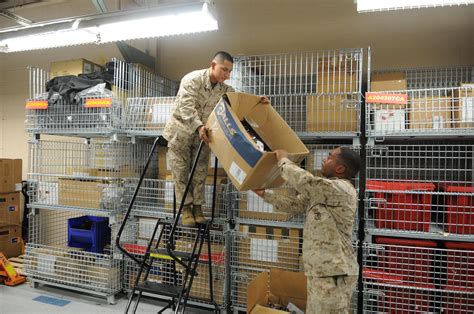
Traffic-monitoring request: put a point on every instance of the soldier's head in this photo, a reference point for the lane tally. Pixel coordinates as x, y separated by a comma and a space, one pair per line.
221, 66
342, 163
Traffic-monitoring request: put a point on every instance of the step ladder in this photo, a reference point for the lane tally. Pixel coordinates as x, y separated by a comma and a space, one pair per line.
163, 248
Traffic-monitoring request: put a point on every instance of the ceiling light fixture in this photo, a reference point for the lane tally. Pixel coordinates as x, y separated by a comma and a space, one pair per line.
385, 5
168, 20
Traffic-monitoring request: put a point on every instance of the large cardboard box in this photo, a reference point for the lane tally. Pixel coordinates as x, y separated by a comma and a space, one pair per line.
332, 113
10, 175
336, 82
247, 166
72, 67
200, 288
10, 240
261, 246
277, 287
464, 107
10, 208
99, 194
388, 82
430, 113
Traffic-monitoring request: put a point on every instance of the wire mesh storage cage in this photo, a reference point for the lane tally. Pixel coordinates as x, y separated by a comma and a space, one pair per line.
317, 93
83, 174
156, 198
422, 276
95, 110
135, 240
147, 116
427, 112
65, 251
434, 77
421, 189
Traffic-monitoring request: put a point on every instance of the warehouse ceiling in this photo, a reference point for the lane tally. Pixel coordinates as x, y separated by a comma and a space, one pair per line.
272, 26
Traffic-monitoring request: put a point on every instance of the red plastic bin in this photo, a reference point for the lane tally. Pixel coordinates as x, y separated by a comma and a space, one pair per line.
394, 295
460, 210
411, 259
457, 300
402, 211
460, 265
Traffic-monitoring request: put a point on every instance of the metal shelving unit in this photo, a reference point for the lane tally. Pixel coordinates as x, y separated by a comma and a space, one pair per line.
419, 224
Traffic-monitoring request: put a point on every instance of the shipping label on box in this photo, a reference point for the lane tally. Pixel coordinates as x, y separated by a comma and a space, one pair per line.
10, 208
48, 193
389, 120
247, 166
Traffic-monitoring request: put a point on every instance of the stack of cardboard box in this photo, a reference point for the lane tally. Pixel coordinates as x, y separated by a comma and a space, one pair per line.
10, 207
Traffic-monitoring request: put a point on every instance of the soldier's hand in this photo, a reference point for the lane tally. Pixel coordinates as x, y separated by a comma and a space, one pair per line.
260, 192
203, 134
264, 100
281, 153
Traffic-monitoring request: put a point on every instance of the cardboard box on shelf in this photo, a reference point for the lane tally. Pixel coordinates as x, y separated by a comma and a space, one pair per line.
336, 82
247, 166
251, 206
389, 120
200, 288
10, 175
463, 113
332, 113
430, 113
269, 247
388, 82
72, 67
100, 194
277, 287
10, 240
10, 208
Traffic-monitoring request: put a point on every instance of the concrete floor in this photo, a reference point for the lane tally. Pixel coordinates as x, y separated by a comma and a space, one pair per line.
20, 299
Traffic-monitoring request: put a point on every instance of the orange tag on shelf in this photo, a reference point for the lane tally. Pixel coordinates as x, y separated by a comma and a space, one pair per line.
98, 103
384, 98
37, 104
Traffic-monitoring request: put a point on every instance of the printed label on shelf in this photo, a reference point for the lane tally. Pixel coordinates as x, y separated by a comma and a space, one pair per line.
98, 103
384, 98
264, 250
37, 104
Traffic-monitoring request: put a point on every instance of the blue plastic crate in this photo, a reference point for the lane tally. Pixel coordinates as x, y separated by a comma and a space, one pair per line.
90, 233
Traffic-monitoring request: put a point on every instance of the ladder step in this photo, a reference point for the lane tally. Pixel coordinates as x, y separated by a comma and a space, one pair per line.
159, 288
163, 254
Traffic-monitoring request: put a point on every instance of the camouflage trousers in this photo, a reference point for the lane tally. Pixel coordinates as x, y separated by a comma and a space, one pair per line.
330, 295
180, 159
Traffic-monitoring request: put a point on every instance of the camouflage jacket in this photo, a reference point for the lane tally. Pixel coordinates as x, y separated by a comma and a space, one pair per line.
330, 206
194, 103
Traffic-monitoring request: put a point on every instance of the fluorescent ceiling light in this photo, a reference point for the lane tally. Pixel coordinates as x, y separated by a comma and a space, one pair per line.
105, 28
384, 5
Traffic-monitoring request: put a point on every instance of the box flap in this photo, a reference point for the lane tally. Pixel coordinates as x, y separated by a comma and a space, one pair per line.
258, 309
257, 291
242, 103
288, 286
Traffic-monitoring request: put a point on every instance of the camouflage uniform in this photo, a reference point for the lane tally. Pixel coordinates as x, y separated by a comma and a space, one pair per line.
329, 260
194, 103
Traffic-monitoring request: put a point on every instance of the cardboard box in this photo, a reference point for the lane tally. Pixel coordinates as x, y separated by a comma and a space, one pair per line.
388, 82
332, 113
10, 175
389, 120
336, 83
463, 113
200, 288
99, 194
247, 166
270, 247
10, 208
72, 67
430, 113
252, 206
10, 240
277, 287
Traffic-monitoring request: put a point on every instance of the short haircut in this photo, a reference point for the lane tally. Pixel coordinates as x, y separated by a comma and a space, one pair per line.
351, 161
221, 56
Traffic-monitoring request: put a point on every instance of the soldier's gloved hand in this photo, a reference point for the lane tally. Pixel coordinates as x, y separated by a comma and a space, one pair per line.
203, 134
260, 192
280, 154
